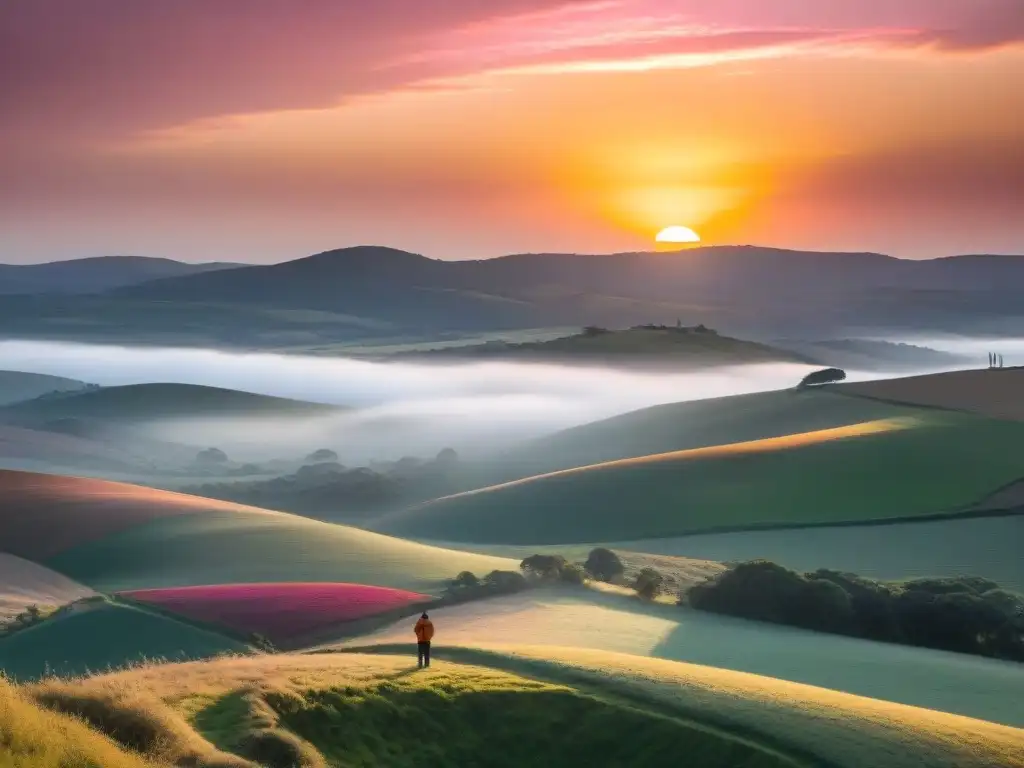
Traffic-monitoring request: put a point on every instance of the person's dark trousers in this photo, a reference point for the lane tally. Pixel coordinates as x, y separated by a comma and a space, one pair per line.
423, 652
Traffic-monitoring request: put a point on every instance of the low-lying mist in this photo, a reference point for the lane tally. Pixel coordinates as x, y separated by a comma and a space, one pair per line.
399, 408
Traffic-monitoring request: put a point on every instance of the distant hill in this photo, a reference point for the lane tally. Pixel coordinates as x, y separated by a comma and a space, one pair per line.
137, 402
875, 355
373, 292
93, 275
19, 385
656, 346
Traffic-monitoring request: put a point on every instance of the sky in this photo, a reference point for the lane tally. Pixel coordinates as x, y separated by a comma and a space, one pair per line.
266, 130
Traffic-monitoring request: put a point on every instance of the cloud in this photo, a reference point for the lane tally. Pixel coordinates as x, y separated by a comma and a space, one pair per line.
107, 67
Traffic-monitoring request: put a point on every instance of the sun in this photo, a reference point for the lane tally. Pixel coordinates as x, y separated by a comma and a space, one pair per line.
677, 235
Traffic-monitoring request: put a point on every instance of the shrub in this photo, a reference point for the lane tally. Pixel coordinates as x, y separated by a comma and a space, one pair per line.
824, 376
603, 564
546, 567
648, 583
872, 603
573, 573
504, 581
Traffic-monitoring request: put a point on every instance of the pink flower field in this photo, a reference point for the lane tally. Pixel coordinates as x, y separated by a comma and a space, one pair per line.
277, 611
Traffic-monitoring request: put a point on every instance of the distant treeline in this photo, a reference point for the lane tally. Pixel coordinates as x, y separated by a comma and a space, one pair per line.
966, 614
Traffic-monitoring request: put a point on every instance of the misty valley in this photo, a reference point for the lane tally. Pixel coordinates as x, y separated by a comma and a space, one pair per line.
464, 384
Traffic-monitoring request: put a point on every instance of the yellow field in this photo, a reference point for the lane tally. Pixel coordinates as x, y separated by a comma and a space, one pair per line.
31, 737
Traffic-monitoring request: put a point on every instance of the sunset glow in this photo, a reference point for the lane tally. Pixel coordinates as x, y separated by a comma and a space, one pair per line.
677, 234
462, 129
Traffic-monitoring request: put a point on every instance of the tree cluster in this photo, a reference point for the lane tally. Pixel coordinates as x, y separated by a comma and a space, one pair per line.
467, 586
824, 376
965, 614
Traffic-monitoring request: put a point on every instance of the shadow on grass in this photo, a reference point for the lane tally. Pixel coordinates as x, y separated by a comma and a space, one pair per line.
441, 726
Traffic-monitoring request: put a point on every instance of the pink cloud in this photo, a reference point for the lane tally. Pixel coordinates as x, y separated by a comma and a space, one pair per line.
102, 67
623, 30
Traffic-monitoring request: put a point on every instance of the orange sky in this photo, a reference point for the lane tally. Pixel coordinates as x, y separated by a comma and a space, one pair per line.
550, 125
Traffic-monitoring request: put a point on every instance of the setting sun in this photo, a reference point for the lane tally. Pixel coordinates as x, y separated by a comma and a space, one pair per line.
677, 235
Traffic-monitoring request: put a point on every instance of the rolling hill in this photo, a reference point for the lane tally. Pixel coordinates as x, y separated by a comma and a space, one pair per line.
18, 385
148, 402
522, 704
114, 536
687, 425
910, 466
367, 292
95, 635
24, 583
586, 619
92, 275
995, 393
656, 347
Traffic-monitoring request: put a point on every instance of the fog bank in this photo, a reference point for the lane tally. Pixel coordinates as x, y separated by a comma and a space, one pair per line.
402, 408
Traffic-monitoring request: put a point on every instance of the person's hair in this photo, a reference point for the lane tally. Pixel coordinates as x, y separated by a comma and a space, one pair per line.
424, 616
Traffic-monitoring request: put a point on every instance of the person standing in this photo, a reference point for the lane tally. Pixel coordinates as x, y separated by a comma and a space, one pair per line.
424, 634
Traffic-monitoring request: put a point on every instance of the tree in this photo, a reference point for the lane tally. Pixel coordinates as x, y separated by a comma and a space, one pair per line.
543, 566
466, 579
603, 564
648, 583
823, 376
211, 457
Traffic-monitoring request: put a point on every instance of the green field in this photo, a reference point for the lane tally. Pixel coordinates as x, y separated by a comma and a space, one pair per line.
238, 547
96, 637
942, 462
921, 677
686, 425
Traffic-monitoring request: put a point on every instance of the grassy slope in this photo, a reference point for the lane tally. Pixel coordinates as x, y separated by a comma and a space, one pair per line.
32, 737
943, 462
686, 425
42, 515
18, 385
921, 677
107, 635
828, 728
344, 710
23, 583
993, 393
254, 546
153, 401
498, 706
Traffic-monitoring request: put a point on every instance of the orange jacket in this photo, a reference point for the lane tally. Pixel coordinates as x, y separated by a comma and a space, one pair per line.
424, 630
